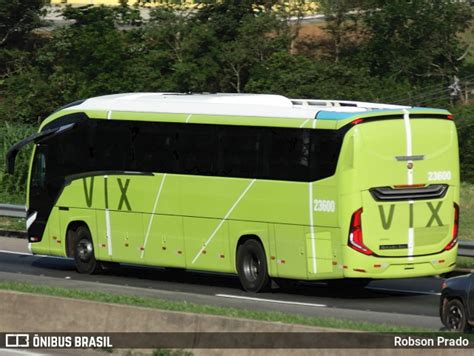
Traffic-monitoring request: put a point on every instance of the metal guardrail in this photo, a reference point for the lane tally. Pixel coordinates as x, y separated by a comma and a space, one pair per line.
13, 211
465, 248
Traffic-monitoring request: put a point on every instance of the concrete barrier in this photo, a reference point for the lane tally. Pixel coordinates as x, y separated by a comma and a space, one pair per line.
42, 313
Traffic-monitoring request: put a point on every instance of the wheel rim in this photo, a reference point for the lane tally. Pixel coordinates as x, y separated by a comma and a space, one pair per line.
455, 317
251, 267
84, 250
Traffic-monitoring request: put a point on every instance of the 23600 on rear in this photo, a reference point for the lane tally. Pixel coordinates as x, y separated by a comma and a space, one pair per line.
258, 185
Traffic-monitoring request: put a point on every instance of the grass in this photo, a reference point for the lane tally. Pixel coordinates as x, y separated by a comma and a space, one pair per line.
13, 224
465, 262
205, 309
466, 219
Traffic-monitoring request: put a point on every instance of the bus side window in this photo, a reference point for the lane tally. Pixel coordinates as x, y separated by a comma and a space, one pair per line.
287, 154
325, 148
156, 147
112, 146
197, 149
238, 151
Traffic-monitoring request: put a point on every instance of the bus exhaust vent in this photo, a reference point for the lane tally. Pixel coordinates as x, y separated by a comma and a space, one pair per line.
432, 191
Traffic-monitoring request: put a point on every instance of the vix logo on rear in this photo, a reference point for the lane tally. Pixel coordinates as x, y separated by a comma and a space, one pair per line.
387, 213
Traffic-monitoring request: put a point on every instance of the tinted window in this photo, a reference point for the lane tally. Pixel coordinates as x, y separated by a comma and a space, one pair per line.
155, 148
287, 154
239, 153
197, 149
325, 149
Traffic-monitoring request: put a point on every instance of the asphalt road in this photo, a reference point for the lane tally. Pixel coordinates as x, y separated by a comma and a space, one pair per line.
404, 302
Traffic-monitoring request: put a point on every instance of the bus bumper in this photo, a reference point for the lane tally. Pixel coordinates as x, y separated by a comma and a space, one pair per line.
399, 267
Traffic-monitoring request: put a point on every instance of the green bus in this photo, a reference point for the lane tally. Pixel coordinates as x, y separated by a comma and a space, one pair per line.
258, 185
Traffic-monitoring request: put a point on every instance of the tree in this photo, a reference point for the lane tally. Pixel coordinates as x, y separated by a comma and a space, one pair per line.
17, 19
416, 40
341, 24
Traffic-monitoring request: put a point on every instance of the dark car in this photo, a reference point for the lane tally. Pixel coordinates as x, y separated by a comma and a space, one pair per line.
457, 303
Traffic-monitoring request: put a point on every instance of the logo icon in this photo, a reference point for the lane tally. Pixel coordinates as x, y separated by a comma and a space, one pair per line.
17, 340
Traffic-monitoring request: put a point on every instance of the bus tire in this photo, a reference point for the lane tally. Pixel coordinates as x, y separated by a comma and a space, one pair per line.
84, 256
252, 267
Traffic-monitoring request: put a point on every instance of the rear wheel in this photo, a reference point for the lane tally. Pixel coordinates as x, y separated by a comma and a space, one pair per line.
252, 267
454, 316
84, 256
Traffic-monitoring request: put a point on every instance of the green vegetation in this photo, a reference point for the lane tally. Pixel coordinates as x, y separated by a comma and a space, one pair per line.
466, 219
204, 309
12, 224
465, 262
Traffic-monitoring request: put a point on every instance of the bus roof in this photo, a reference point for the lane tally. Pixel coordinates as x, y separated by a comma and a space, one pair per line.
263, 105
236, 109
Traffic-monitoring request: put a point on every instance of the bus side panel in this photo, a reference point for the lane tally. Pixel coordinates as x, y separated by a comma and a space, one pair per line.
290, 254
207, 205
165, 241
206, 242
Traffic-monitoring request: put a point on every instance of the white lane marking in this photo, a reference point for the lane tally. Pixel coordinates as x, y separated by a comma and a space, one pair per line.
32, 254
403, 291
31, 219
189, 116
222, 221
311, 228
109, 115
409, 147
304, 122
270, 300
153, 214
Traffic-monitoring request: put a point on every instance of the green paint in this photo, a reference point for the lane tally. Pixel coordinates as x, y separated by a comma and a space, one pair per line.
386, 221
434, 214
88, 191
123, 194
106, 192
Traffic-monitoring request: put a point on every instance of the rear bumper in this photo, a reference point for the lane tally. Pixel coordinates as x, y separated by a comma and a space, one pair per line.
361, 266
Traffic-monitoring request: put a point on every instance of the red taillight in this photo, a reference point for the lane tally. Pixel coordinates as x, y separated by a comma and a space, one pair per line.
356, 241
357, 121
403, 186
454, 239
450, 117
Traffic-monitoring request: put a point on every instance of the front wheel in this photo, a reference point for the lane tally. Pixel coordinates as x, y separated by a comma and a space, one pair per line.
252, 267
454, 316
84, 256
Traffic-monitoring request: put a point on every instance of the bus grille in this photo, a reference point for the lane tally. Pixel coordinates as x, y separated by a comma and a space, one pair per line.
432, 191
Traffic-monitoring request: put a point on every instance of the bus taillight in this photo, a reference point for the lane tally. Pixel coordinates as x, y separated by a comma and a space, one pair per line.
356, 241
454, 239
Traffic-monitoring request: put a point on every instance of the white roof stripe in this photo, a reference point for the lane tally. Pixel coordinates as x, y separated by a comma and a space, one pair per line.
259, 105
